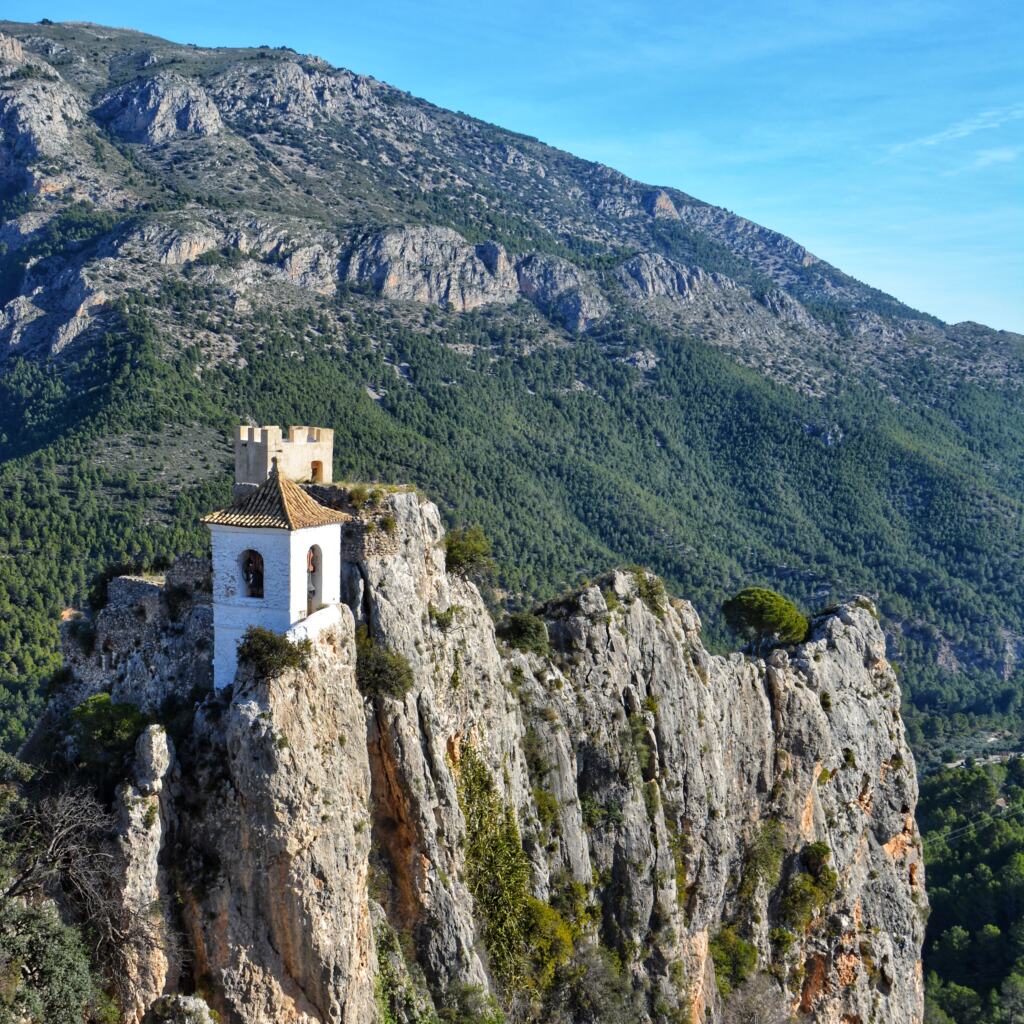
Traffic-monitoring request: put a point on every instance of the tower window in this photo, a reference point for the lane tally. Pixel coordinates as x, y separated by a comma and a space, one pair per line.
316, 472
251, 563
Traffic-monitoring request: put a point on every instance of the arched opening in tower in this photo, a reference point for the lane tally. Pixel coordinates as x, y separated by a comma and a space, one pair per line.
317, 472
314, 579
251, 564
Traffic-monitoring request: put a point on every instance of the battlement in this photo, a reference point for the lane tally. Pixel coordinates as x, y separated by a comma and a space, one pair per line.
307, 453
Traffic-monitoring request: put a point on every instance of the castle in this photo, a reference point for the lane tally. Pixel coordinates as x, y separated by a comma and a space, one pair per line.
306, 454
276, 551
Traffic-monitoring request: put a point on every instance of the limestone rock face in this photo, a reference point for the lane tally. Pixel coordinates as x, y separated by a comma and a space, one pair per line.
313, 838
38, 116
562, 291
282, 921
145, 813
154, 110
660, 206
433, 265
179, 1010
650, 275
11, 51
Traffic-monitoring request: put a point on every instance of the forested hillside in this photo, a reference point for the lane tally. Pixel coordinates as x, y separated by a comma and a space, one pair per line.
974, 846
596, 370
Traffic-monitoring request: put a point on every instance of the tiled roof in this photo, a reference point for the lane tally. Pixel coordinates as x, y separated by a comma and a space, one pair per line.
278, 503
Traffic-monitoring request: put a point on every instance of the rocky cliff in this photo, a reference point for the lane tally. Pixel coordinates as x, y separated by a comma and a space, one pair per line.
622, 828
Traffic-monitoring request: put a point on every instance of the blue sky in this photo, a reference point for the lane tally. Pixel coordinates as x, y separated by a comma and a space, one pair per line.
886, 137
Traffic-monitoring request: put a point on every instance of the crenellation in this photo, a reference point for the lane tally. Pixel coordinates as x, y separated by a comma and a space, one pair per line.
306, 454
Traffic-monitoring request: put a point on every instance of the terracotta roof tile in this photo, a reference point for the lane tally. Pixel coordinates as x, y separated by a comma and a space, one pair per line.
278, 503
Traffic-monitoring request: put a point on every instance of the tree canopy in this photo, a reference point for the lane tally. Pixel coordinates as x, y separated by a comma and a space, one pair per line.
760, 615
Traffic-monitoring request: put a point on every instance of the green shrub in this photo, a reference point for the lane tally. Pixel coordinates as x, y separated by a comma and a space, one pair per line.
815, 857
549, 941
640, 741
760, 615
443, 620
526, 940
526, 632
271, 653
380, 672
808, 892
44, 970
468, 553
547, 807
825, 699
358, 495
596, 814
651, 589
734, 959
763, 862
782, 940
105, 732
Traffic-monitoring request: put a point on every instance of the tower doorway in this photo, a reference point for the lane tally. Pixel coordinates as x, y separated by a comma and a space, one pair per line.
314, 579
317, 472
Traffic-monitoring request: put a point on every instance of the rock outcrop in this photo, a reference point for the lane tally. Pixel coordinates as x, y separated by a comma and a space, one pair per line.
155, 110
562, 291
316, 837
650, 275
433, 265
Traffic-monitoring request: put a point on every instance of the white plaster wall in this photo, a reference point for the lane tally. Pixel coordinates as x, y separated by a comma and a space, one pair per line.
233, 612
319, 622
329, 539
284, 585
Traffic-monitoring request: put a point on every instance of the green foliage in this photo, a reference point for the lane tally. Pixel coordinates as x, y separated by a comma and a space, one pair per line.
396, 998
45, 973
974, 851
734, 959
640, 741
443, 619
763, 862
526, 632
759, 615
547, 807
810, 890
651, 589
271, 653
380, 672
468, 553
592, 986
526, 939
105, 733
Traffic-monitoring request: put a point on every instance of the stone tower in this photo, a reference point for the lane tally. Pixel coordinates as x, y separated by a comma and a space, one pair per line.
276, 563
306, 454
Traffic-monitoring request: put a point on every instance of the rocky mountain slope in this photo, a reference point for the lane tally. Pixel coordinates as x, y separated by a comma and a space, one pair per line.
625, 829
322, 175
189, 236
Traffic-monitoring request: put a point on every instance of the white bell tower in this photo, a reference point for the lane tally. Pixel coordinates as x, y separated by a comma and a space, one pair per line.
276, 562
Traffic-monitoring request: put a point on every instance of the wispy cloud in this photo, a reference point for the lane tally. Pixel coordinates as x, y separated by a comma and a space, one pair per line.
999, 155
985, 158
986, 120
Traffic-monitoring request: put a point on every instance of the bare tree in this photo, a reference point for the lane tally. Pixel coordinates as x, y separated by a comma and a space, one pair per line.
62, 846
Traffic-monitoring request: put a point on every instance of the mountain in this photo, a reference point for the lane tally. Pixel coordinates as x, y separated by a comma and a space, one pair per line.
597, 370
614, 826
